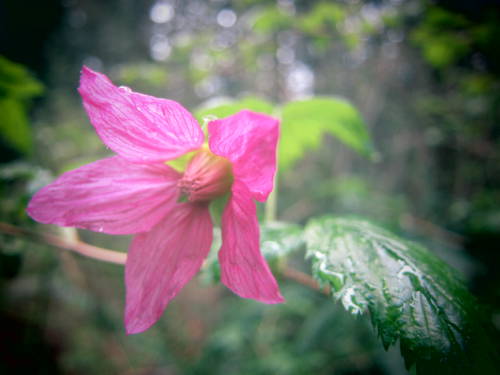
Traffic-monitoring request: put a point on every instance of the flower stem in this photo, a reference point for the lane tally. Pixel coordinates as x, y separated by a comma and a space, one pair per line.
117, 257
77, 246
271, 207
303, 278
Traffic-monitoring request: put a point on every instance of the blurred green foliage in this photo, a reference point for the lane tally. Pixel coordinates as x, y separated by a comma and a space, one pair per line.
232, 107
424, 76
17, 88
443, 37
304, 123
142, 76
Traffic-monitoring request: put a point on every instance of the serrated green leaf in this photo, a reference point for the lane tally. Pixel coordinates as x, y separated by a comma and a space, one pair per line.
277, 240
232, 107
412, 295
305, 122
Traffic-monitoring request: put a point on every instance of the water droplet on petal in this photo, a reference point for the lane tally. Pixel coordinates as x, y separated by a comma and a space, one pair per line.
125, 89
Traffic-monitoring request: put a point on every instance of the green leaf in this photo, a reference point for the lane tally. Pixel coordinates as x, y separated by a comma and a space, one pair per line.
14, 125
232, 107
16, 81
17, 86
277, 240
305, 122
412, 295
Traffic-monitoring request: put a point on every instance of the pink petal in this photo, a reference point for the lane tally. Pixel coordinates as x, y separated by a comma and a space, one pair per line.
139, 127
248, 140
162, 261
110, 195
244, 269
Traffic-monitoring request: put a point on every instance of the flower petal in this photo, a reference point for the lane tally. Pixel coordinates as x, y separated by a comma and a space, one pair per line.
110, 195
162, 261
243, 268
248, 140
139, 127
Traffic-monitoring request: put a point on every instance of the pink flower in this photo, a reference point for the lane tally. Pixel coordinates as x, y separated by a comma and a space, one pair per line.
136, 192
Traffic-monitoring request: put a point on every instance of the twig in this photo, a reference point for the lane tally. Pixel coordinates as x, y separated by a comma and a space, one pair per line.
69, 264
304, 279
77, 246
118, 257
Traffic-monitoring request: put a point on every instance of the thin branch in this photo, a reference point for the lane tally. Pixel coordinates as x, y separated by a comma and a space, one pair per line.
304, 279
118, 257
77, 246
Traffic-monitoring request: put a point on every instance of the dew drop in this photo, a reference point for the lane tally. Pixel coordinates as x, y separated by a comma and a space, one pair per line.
125, 89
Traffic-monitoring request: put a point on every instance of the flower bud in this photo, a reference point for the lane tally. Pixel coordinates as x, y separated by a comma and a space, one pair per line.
206, 177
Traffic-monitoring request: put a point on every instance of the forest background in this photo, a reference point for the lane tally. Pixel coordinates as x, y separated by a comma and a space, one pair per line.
424, 75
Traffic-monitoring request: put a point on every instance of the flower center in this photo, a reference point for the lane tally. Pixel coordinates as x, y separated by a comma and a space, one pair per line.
206, 177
